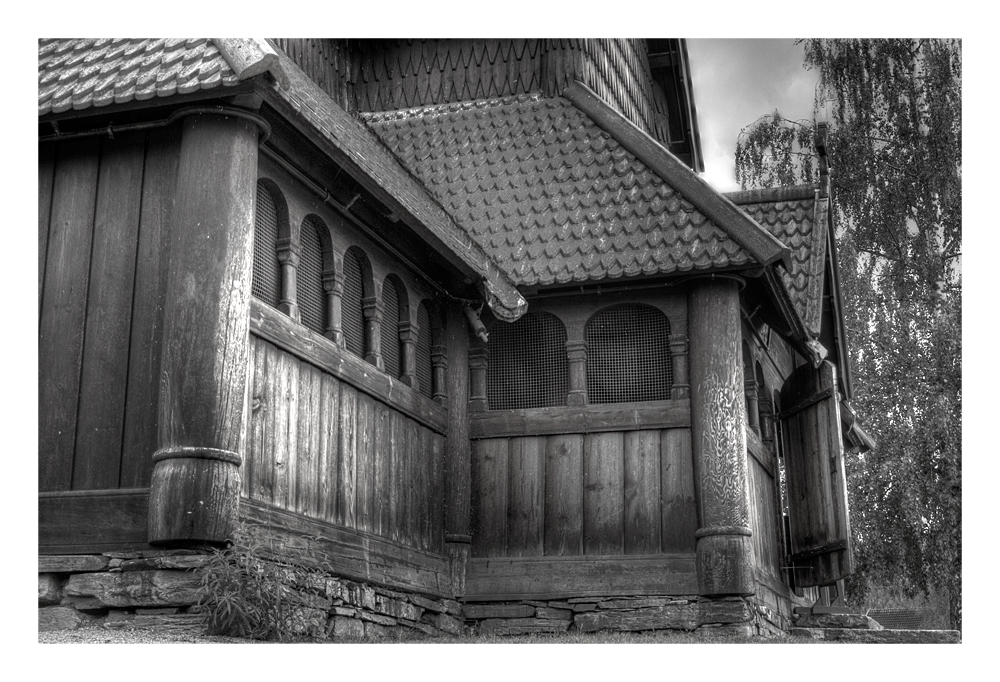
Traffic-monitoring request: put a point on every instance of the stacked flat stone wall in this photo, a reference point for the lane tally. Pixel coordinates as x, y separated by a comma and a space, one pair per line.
708, 617
163, 588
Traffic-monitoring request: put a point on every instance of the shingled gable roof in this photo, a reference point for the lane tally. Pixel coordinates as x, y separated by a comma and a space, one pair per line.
797, 216
77, 74
553, 190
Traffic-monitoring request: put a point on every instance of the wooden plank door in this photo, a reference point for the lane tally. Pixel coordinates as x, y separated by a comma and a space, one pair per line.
815, 477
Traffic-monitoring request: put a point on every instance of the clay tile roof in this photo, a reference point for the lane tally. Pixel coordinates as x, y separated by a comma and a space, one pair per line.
797, 216
83, 73
550, 195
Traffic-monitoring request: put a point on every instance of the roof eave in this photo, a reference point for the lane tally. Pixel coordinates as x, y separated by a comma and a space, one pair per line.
763, 247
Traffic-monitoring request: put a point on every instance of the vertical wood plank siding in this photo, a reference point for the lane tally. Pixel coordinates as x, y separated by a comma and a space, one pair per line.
321, 448
103, 205
611, 493
763, 519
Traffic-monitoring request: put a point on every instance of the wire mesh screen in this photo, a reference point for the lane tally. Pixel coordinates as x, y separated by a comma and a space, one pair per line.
310, 279
424, 368
628, 355
527, 366
390, 328
352, 314
265, 283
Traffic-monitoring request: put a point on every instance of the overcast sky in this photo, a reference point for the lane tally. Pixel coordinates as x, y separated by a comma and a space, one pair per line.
735, 82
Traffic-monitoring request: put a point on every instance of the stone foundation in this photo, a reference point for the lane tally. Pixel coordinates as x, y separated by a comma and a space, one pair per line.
707, 617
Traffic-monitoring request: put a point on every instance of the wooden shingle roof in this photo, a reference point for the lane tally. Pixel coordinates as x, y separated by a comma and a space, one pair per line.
76, 74
797, 216
555, 198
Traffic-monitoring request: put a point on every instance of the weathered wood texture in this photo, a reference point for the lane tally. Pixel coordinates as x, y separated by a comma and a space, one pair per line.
92, 521
195, 481
565, 577
764, 519
718, 429
348, 552
324, 449
655, 414
608, 493
817, 484
103, 208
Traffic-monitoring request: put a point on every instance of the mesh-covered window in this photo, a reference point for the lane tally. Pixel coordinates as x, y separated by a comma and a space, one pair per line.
424, 369
266, 282
628, 355
390, 329
310, 280
352, 314
527, 366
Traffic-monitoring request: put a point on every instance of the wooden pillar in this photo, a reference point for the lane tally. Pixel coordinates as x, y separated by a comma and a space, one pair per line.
195, 481
439, 374
458, 452
679, 354
718, 422
408, 340
479, 359
372, 307
333, 289
288, 259
576, 356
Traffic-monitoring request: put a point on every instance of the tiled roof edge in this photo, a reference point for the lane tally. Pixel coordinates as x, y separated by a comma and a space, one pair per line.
773, 194
447, 108
249, 57
764, 247
353, 144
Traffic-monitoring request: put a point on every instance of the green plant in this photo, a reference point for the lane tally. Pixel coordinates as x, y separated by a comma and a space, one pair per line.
247, 593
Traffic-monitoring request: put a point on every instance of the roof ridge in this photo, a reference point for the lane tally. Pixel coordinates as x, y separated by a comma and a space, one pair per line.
448, 107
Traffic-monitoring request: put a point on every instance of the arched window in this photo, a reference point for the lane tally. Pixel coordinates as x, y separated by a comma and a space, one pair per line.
424, 369
352, 313
392, 307
312, 300
527, 365
628, 355
266, 281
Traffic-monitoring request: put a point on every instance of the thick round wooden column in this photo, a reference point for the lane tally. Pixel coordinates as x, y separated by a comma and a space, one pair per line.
195, 481
718, 424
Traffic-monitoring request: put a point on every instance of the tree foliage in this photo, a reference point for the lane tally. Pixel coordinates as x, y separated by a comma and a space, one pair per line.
895, 118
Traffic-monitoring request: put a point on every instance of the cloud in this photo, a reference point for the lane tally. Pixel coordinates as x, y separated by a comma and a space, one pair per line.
737, 81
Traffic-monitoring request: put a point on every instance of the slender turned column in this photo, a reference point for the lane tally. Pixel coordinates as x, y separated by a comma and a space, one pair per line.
479, 359
753, 413
724, 551
195, 481
439, 374
576, 356
408, 339
372, 308
679, 352
288, 259
333, 289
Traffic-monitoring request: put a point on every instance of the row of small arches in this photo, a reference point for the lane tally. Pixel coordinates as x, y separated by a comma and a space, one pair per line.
316, 278
627, 359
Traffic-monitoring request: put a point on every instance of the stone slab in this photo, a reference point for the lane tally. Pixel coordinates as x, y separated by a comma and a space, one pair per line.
136, 588
836, 620
671, 617
480, 611
62, 618
522, 626
878, 636
49, 589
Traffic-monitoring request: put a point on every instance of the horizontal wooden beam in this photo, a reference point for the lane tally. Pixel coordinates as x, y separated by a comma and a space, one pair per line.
302, 342
92, 521
580, 576
657, 414
345, 552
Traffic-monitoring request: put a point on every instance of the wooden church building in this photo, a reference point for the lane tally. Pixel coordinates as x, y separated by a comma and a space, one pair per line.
455, 320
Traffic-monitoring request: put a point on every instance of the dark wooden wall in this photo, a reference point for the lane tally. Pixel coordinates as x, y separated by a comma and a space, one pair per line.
326, 449
104, 207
